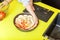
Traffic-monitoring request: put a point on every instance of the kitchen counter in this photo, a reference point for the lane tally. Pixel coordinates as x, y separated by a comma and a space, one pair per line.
8, 31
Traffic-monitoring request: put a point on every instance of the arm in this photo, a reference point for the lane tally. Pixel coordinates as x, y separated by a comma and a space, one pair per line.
30, 9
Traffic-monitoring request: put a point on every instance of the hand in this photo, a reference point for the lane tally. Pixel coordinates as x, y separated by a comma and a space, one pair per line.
4, 3
32, 7
8, 1
35, 21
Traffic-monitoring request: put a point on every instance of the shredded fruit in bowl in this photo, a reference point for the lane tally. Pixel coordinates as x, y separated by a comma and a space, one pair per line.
24, 22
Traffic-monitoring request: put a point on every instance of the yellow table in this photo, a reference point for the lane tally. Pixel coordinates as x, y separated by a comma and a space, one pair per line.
8, 31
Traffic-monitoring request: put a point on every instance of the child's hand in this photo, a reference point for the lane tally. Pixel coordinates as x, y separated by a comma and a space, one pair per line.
4, 3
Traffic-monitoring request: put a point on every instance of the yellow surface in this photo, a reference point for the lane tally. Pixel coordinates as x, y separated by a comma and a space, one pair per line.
8, 31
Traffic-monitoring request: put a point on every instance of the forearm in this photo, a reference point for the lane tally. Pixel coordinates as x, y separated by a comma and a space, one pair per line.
31, 2
30, 10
